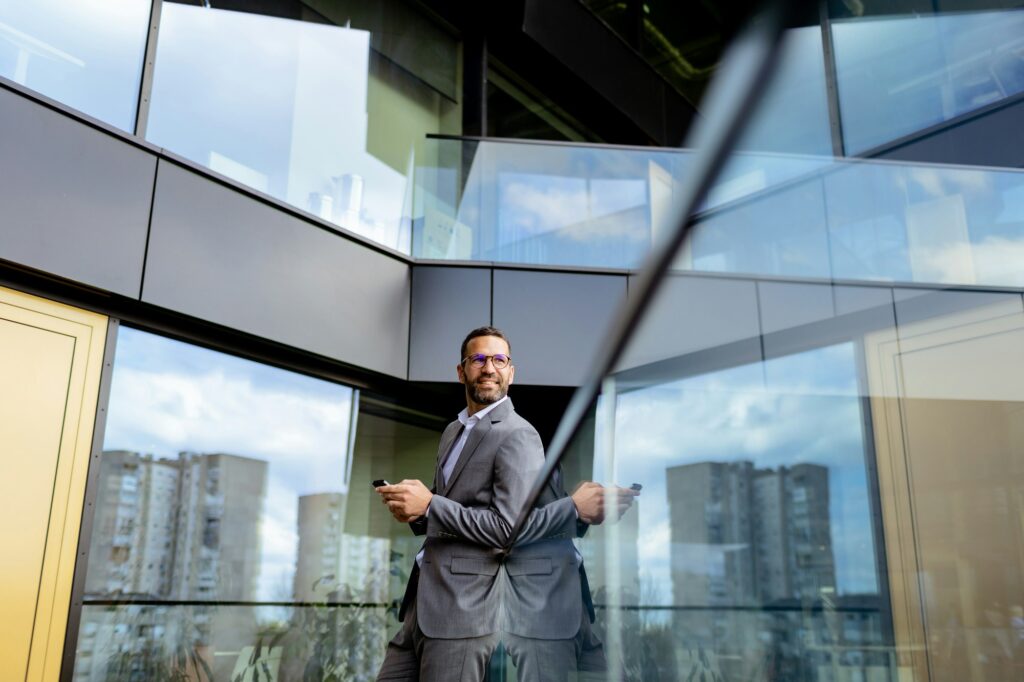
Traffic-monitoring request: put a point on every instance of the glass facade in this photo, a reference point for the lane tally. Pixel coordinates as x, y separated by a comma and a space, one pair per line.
819, 399
235, 527
307, 112
898, 75
87, 54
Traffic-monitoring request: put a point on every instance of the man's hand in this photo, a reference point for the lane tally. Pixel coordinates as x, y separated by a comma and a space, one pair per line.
407, 500
595, 503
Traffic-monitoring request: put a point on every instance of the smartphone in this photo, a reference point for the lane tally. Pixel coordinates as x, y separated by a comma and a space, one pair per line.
636, 486
379, 482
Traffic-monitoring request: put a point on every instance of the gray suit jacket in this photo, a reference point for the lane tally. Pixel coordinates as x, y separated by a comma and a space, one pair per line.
466, 586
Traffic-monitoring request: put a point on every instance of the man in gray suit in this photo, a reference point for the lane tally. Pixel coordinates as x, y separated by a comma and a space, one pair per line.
465, 593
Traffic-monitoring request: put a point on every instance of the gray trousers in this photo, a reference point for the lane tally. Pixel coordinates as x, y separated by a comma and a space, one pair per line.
557, 660
412, 656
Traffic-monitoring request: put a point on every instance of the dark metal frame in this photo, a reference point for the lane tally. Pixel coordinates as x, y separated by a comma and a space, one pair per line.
89, 508
148, 64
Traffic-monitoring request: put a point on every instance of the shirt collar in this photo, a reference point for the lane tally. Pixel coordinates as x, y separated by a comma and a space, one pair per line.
468, 420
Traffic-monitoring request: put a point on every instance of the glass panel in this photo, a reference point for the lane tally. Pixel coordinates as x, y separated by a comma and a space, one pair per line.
84, 53
235, 514
305, 112
899, 75
831, 478
754, 549
189, 642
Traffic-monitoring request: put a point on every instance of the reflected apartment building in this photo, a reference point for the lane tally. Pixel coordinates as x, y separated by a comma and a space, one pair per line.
255, 234
172, 530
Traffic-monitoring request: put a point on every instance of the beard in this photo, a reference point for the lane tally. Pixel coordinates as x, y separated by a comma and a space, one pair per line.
486, 395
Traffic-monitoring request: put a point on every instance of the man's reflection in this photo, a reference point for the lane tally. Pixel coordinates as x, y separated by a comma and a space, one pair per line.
550, 609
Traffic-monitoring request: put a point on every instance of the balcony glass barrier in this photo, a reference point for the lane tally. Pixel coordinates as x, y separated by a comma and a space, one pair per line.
898, 75
310, 113
85, 53
563, 204
235, 525
769, 214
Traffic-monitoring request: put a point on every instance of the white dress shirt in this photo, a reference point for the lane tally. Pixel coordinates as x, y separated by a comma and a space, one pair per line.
469, 422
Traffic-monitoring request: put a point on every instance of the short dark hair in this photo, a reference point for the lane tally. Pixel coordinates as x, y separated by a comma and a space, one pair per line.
483, 331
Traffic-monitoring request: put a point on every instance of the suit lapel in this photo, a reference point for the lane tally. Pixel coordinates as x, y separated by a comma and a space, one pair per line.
447, 441
476, 436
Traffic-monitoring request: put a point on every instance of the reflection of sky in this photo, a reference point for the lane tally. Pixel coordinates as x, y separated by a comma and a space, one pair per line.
809, 412
167, 397
898, 75
85, 53
284, 101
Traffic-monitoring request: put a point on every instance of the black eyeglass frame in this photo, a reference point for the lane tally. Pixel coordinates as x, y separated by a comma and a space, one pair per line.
489, 357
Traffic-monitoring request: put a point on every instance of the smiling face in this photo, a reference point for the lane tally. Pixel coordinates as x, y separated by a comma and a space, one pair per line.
487, 384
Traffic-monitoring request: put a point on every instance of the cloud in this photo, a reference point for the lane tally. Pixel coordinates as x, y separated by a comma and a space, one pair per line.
993, 261
545, 206
940, 182
168, 397
164, 411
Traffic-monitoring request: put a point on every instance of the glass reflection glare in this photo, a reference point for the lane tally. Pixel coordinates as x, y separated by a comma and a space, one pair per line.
281, 106
900, 75
85, 53
755, 523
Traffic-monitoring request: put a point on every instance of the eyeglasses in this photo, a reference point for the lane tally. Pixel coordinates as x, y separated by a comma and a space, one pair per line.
478, 360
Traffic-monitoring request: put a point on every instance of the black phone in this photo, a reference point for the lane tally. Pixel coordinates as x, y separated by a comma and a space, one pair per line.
636, 486
379, 482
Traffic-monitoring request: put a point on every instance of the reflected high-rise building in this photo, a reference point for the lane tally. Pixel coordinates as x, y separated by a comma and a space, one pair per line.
711, 532
135, 525
792, 532
180, 528
744, 536
217, 552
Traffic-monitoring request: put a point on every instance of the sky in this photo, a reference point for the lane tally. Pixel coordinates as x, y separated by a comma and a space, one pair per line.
168, 397
802, 408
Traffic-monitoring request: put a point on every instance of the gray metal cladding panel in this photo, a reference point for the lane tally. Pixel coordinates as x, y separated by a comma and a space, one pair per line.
556, 321
702, 317
75, 201
941, 306
219, 255
447, 303
785, 305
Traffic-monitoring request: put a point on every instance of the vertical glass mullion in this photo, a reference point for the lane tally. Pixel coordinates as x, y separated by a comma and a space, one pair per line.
148, 64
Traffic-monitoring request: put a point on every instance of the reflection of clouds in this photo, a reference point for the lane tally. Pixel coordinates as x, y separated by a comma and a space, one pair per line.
168, 397
995, 260
653, 544
676, 425
165, 412
938, 182
540, 204
730, 416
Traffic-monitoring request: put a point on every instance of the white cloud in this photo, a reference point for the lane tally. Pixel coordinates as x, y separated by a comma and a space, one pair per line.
994, 261
546, 207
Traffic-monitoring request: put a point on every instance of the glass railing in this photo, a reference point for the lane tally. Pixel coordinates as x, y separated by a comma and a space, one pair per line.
85, 53
769, 214
582, 205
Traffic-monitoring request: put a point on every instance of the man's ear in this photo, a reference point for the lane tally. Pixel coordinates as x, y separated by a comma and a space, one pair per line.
461, 373
511, 374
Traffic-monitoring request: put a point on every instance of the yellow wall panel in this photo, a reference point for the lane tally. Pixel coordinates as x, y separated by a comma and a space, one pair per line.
51, 359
